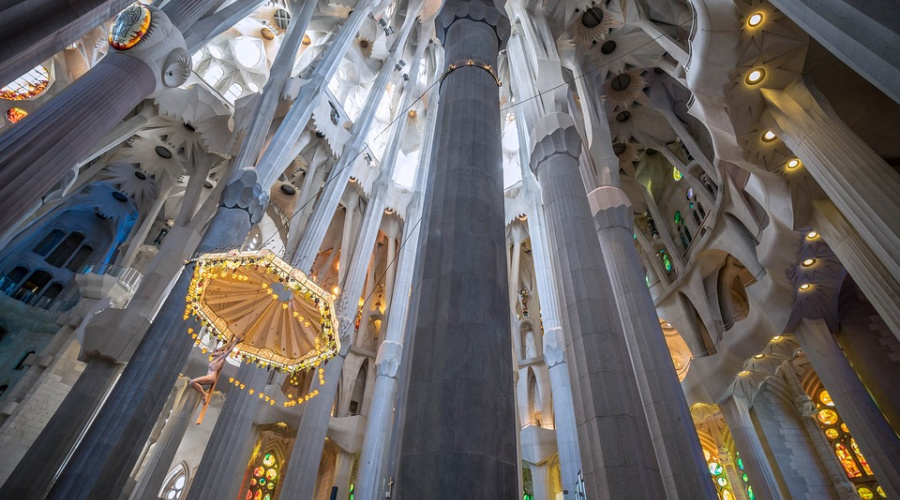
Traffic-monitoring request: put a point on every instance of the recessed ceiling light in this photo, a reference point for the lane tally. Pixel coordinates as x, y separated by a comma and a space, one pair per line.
805, 286
776, 338
755, 20
755, 76
794, 163
759, 356
743, 372
809, 262
812, 235
769, 136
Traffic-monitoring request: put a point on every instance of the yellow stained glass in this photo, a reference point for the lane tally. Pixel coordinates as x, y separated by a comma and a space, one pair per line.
27, 86
676, 174
726, 495
860, 457
825, 398
831, 433
271, 474
847, 462
706, 454
880, 492
827, 417
845, 429
865, 493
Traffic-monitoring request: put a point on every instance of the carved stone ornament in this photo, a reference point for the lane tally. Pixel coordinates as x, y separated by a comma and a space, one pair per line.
176, 68
387, 363
554, 134
611, 208
475, 10
554, 347
805, 406
244, 192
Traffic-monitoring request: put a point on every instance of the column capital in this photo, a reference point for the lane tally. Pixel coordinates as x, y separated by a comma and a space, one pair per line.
161, 47
485, 11
387, 362
611, 207
554, 134
244, 192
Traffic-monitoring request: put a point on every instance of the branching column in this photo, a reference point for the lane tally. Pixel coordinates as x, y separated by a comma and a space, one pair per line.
875, 436
611, 417
675, 437
459, 431
737, 416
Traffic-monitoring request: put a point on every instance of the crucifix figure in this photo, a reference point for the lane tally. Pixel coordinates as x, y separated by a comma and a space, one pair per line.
216, 363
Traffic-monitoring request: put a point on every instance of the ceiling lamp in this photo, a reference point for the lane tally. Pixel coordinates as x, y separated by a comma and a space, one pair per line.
793, 163
755, 20
755, 76
769, 136
759, 356
812, 235
805, 286
744, 372
809, 262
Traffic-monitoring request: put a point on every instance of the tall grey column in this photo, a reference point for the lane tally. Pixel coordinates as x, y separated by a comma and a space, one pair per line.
164, 452
859, 182
39, 151
876, 438
34, 474
675, 438
459, 433
32, 31
610, 418
807, 410
221, 467
737, 416
857, 32
102, 463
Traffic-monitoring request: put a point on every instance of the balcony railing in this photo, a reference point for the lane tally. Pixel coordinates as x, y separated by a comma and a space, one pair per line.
127, 276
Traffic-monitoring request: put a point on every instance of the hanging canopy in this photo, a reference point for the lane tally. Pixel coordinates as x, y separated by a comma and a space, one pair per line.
279, 317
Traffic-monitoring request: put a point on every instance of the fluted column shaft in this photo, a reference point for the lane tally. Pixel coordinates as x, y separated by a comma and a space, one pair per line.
737, 416
876, 438
675, 438
611, 416
223, 462
164, 452
303, 468
34, 474
859, 182
807, 410
459, 420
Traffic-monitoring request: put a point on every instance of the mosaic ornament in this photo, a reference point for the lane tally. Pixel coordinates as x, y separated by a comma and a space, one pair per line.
129, 27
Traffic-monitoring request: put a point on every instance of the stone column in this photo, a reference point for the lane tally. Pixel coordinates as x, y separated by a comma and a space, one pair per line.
460, 421
103, 461
737, 416
882, 290
35, 30
856, 32
876, 438
221, 467
806, 408
611, 416
34, 474
342, 468
160, 460
303, 468
675, 438
39, 151
554, 347
859, 182
540, 482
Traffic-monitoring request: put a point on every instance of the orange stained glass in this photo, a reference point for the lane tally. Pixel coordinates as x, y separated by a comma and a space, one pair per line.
847, 462
845, 429
860, 457
15, 114
825, 398
827, 417
831, 433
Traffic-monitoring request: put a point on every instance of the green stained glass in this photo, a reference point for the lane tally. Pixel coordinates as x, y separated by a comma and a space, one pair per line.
678, 219
740, 462
750, 493
722, 481
715, 468
745, 478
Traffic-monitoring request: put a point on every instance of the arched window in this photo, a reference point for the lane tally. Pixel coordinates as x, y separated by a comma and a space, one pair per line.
21, 364
32, 286
534, 399
17, 274
49, 242
27, 86
175, 484
53, 291
80, 258
213, 75
264, 477
61, 253
233, 92
359, 389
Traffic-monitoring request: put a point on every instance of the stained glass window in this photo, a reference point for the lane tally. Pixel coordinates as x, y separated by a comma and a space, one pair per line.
827, 417
825, 398
27, 86
847, 461
861, 458
667, 262
175, 483
264, 478
15, 114
676, 174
